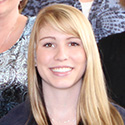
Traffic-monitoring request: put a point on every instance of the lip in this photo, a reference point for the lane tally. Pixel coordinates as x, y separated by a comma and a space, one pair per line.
61, 70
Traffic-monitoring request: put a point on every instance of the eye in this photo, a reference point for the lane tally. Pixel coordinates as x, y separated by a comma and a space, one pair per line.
48, 45
73, 44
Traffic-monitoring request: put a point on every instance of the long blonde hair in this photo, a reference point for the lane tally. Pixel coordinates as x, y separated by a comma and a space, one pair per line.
94, 107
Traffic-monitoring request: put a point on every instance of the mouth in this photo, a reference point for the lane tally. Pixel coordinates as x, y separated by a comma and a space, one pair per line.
61, 69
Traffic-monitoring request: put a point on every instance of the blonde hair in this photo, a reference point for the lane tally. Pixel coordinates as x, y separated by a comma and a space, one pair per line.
22, 5
94, 107
122, 2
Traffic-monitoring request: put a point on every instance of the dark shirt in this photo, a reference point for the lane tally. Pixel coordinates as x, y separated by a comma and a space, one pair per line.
22, 114
112, 50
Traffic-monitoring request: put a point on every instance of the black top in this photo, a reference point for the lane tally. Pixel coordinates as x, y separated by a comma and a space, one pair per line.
112, 50
22, 114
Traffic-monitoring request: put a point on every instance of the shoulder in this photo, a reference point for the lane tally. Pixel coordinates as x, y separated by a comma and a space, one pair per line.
30, 22
112, 43
31, 19
17, 116
24, 39
29, 25
121, 110
112, 39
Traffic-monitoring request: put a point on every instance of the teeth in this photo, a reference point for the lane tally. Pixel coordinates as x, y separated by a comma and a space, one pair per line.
61, 69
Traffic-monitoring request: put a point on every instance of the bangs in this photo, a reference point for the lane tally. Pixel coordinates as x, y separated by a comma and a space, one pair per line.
60, 20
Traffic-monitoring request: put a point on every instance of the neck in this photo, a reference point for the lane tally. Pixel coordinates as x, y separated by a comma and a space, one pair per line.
61, 104
7, 20
11, 28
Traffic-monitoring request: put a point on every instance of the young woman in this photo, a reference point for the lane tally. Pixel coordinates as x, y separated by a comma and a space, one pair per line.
65, 78
14, 39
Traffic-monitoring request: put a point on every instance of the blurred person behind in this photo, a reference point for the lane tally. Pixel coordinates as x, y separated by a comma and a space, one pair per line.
113, 59
15, 31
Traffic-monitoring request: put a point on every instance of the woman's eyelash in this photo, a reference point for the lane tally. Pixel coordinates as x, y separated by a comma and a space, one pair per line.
52, 45
48, 45
73, 44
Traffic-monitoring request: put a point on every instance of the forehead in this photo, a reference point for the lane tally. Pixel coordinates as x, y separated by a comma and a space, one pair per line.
49, 31
56, 30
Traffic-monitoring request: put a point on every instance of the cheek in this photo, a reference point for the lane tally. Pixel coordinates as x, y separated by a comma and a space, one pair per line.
82, 62
79, 57
42, 57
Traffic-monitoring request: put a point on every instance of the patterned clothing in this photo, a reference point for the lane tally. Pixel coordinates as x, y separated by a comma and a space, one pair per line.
13, 71
34, 6
106, 16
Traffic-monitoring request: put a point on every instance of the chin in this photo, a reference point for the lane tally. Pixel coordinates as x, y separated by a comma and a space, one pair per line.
63, 86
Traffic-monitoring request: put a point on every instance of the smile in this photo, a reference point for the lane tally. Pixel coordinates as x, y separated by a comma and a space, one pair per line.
61, 69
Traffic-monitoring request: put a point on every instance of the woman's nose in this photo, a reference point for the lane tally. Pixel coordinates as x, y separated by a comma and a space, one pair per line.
61, 54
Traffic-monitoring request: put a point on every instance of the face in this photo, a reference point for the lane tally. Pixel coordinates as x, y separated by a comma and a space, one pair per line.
8, 6
60, 58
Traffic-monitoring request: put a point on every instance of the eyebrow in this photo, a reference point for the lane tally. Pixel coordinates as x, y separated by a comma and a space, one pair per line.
73, 38
51, 37
48, 37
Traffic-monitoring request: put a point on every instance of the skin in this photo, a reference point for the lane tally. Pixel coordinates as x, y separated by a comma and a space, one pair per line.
8, 6
61, 62
9, 18
85, 1
61, 59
